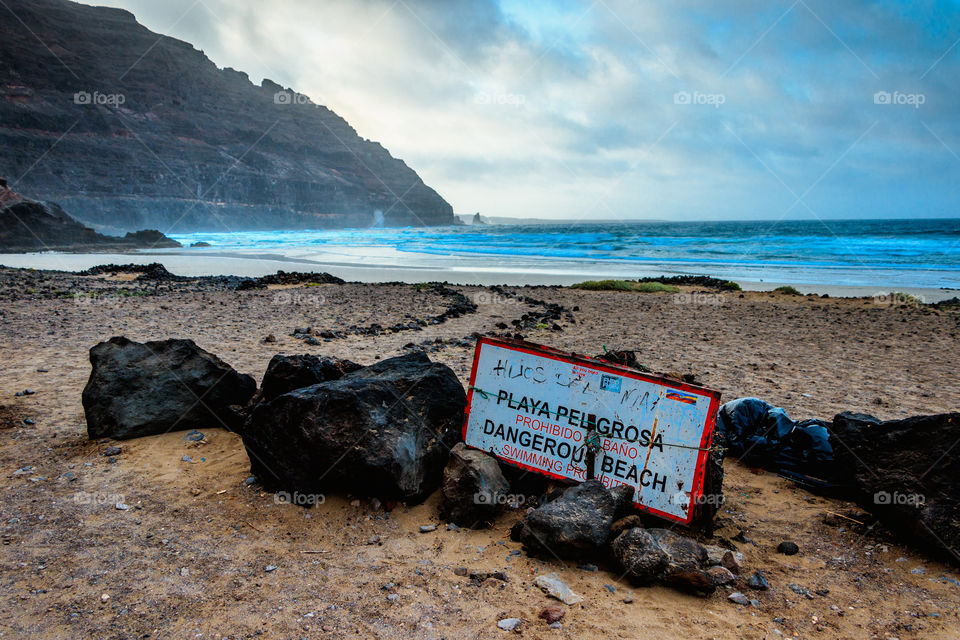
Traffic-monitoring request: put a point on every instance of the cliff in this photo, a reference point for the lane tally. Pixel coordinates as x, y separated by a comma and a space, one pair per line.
127, 129
27, 225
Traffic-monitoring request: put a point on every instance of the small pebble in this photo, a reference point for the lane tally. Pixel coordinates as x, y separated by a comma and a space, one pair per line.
121, 506
738, 598
270, 568
427, 528
552, 614
112, 451
758, 581
788, 548
509, 624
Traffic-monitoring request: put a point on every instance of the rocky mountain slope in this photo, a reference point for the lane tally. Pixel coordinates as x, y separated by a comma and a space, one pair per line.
27, 225
128, 129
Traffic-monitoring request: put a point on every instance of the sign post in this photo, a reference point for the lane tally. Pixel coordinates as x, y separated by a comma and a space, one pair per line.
541, 409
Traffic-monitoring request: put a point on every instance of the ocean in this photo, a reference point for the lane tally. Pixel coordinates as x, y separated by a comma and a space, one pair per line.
871, 253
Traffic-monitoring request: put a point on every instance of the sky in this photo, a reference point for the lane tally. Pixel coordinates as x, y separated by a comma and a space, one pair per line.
617, 109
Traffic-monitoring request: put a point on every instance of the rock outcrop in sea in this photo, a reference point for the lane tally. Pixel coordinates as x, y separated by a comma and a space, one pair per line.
28, 225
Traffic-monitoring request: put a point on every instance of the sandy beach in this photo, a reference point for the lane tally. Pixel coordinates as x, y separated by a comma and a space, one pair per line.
190, 557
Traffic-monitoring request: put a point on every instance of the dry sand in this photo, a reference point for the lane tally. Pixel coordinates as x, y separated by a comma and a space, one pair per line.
189, 558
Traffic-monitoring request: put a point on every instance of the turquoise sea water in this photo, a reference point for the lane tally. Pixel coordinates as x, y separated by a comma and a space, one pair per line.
908, 253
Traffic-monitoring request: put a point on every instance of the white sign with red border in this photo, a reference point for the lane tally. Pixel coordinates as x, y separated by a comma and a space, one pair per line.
534, 407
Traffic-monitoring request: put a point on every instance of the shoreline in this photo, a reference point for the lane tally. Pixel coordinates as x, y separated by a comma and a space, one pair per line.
190, 263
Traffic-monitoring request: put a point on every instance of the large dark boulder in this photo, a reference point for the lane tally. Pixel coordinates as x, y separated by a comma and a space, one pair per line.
577, 524
647, 556
384, 430
139, 389
286, 373
473, 489
907, 473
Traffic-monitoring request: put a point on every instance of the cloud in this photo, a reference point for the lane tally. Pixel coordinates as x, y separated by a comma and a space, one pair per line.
619, 108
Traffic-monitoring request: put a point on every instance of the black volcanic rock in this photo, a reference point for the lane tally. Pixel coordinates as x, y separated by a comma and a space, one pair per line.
646, 556
575, 525
150, 133
286, 373
154, 272
473, 489
384, 430
905, 472
140, 389
26, 225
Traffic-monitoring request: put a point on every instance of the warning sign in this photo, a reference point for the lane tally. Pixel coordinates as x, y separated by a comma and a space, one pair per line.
541, 409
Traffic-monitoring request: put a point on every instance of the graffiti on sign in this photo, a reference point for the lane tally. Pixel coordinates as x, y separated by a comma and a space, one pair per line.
536, 407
